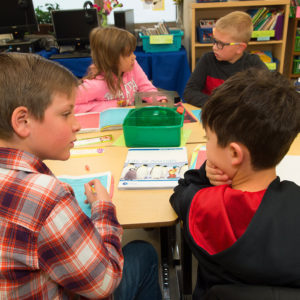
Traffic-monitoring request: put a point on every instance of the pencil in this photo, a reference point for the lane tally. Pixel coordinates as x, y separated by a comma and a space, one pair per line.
93, 190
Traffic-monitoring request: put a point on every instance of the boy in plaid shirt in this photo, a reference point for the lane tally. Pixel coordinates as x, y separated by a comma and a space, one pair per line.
49, 249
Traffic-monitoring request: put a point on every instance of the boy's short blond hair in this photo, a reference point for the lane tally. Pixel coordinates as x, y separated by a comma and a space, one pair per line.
31, 81
237, 24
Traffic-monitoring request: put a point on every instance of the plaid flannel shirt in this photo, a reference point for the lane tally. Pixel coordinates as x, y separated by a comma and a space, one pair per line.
48, 247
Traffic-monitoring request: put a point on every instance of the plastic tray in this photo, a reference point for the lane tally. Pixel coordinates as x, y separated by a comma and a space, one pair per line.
175, 46
153, 126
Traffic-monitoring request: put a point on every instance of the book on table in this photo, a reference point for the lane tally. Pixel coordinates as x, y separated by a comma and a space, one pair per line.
153, 168
198, 157
77, 184
108, 119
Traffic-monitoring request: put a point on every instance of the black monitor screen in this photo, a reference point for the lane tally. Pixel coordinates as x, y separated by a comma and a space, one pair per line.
72, 27
17, 17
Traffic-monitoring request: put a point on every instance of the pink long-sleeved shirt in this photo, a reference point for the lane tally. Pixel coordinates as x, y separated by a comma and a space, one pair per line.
94, 95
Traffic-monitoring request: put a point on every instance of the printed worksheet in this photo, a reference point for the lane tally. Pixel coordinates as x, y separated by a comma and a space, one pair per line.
150, 168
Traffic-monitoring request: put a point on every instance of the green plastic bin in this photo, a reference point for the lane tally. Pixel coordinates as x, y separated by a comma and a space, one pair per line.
175, 46
153, 126
297, 44
296, 66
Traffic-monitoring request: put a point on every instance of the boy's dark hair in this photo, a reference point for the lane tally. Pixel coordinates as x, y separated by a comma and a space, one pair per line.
31, 81
258, 108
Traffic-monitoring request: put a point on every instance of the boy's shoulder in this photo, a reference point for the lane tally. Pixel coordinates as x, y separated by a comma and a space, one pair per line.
252, 60
284, 190
36, 194
28, 172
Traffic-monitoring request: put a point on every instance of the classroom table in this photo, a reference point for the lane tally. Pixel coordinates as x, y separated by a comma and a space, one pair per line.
135, 208
144, 208
167, 70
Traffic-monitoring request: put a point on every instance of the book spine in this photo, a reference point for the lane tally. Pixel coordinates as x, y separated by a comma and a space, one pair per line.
279, 27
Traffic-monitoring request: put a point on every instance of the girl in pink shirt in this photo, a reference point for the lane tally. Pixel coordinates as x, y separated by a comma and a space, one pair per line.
115, 75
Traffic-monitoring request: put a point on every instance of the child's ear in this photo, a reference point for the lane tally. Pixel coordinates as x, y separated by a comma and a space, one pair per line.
20, 121
236, 153
242, 47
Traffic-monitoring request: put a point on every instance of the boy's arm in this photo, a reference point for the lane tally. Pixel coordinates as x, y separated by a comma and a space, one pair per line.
193, 181
81, 254
193, 90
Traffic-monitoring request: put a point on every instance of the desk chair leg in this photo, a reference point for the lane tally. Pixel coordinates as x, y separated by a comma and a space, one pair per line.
167, 244
186, 268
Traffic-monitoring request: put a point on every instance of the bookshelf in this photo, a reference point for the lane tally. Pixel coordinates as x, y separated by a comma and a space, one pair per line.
292, 53
215, 10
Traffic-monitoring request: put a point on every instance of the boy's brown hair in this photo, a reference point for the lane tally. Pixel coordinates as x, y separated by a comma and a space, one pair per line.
258, 108
31, 81
237, 24
107, 45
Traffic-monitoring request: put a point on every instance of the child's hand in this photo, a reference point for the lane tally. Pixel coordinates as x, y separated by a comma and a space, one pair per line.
93, 70
94, 191
215, 175
163, 100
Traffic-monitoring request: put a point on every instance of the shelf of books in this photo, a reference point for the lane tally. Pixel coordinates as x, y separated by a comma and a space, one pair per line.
294, 51
270, 23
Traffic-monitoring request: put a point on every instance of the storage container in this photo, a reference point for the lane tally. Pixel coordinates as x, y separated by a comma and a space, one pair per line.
296, 66
204, 35
297, 43
174, 44
153, 126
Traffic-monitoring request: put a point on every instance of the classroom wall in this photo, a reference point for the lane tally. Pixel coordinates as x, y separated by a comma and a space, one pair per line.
144, 13
146, 16
62, 3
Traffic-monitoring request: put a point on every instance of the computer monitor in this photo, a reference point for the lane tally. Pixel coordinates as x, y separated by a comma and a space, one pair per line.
17, 17
72, 27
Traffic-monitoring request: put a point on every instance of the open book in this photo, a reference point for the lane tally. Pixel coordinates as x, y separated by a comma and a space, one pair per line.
77, 183
198, 157
153, 168
109, 119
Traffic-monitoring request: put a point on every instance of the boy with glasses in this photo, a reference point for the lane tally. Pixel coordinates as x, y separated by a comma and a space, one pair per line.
230, 38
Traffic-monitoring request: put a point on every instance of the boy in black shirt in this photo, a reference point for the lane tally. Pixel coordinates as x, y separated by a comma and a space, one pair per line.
231, 36
246, 232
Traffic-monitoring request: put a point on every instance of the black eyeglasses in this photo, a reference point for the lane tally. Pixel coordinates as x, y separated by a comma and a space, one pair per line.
220, 45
